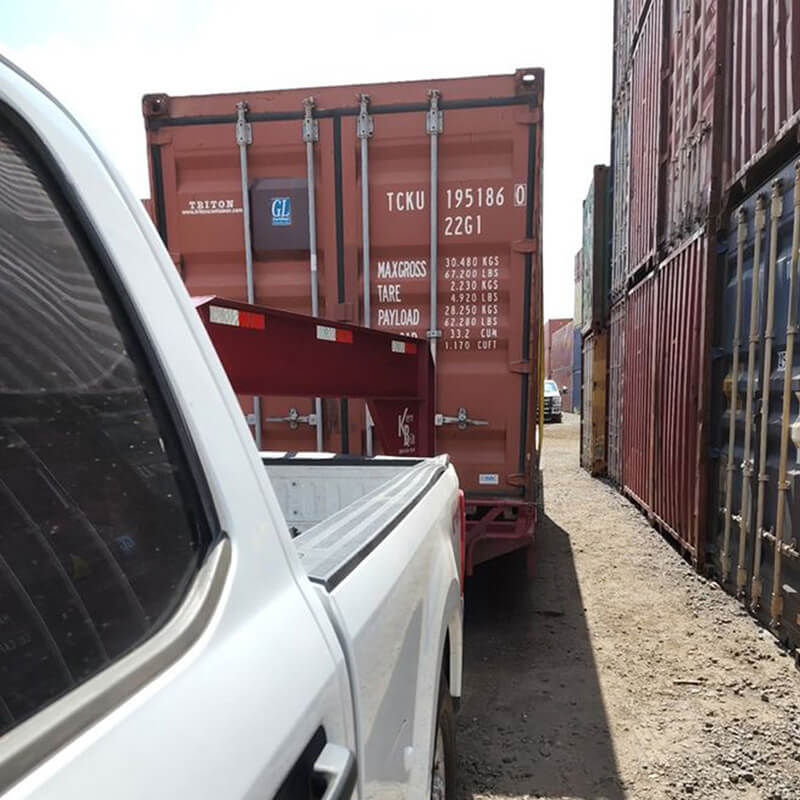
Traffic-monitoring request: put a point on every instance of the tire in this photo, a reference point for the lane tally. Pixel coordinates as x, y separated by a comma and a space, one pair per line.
559, 418
443, 768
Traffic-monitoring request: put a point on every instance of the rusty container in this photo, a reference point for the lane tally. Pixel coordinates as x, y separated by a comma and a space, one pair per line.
413, 207
763, 90
693, 118
638, 393
551, 327
754, 546
616, 388
593, 419
682, 336
646, 144
595, 259
577, 314
561, 362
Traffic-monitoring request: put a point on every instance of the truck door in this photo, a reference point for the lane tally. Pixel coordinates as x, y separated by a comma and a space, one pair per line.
156, 639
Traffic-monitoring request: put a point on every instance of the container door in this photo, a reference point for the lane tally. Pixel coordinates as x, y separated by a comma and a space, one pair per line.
488, 182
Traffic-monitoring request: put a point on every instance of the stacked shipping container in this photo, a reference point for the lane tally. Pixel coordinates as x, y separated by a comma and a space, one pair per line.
705, 112
561, 362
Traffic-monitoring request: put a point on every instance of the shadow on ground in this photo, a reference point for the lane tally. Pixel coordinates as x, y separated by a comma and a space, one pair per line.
532, 722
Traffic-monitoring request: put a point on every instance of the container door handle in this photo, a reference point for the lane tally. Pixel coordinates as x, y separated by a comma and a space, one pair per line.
336, 766
295, 418
462, 419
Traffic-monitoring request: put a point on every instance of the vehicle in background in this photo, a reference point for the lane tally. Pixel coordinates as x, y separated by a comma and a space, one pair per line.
412, 207
156, 610
552, 401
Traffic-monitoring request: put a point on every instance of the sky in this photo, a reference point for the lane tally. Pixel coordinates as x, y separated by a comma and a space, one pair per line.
99, 57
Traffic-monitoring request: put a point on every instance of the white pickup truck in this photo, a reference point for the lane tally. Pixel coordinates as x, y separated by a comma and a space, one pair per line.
163, 632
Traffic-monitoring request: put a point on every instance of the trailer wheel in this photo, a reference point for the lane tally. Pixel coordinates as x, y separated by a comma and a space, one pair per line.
443, 768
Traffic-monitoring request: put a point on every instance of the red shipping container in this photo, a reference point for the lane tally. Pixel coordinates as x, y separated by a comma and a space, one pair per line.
694, 119
638, 393
550, 329
763, 83
646, 140
616, 387
486, 136
561, 362
681, 349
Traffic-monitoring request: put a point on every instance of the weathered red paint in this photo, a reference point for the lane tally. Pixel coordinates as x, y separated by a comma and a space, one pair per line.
551, 327
561, 345
486, 143
693, 124
616, 387
638, 393
680, 352
763, 81
646, 134
623, 37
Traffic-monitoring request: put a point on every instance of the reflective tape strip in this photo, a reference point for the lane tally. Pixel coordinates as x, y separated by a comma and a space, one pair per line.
224, 316
329, 334
237, 319
403, 347
250, 319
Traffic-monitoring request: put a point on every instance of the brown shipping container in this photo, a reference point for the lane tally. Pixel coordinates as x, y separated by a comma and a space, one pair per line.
561, 362
681, 349
595, 251
637, 422
616, 385
593, 419
646, 122
620, 175
693, 119
478, 140
763, 83
551, 327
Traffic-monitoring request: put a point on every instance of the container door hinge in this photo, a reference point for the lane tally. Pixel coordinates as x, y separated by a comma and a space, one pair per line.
434, 121
462, 419
294, 418
365, 126
310, 125
521, 367
524, 246
517, 479
244, 129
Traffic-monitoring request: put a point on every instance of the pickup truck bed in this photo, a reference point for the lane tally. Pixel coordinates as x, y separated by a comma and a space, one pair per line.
340, 510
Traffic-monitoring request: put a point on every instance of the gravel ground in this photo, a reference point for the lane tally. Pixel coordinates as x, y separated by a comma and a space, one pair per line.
617, 672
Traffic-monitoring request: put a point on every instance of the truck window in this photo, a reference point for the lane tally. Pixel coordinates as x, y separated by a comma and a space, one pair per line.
98, 536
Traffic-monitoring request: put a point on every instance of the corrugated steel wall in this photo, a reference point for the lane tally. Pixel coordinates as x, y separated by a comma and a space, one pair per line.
561, 362
577, 370
694, 94
620, 166
595, 251
646, 120
763, 79
734, 558
595, 364
577, 313
616, 384
680, 352
637, 422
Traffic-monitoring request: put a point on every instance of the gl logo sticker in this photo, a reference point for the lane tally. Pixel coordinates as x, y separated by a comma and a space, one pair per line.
404, 432
281, 211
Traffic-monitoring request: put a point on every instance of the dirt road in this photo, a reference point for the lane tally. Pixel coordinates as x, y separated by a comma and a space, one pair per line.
617, 672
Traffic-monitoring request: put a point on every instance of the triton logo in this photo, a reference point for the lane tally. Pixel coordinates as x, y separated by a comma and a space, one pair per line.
219, 206
404, 432
281, 210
